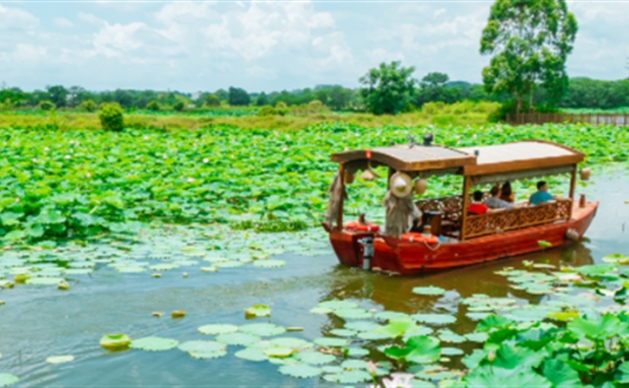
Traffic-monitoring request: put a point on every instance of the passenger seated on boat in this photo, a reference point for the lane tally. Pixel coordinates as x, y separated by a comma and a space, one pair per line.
541, 195
477, 206
506, 194
494, 202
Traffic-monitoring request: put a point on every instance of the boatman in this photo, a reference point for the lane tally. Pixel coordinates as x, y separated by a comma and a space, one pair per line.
541, 195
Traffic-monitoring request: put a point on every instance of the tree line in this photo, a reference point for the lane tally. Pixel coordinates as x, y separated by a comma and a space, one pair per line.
434, 87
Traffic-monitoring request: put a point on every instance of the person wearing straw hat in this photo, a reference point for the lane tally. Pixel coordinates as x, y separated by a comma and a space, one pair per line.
400, 209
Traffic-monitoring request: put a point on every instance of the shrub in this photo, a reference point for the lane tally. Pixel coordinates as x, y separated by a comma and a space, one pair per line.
46, 105
88, 106
267, 110
179, 106
212, 100
111, 117
153, 105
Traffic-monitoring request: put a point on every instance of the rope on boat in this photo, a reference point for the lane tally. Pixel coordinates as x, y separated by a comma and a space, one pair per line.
437, 246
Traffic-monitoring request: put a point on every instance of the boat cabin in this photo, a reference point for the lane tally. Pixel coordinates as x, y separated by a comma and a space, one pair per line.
448, 217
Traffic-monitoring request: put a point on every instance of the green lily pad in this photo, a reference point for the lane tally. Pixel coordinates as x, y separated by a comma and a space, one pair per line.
357, 352
279, 351
372, 336
201, 346
439, 319
59, 359
229, 264
251, 354
389, 315
236, 339
269, 263
331, 369
343, 332
349, 377
262, 329
451, 352
321, 310
291, 342
218, 329
154, 344
353, 313
7, 379
338, 304
300, 371
361, 325
331, 342
314, 358
44, 281
163, 267
126, 269
616, 258
207, 355
430, 290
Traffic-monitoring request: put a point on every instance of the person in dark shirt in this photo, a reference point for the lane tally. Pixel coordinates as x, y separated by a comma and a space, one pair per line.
477, 206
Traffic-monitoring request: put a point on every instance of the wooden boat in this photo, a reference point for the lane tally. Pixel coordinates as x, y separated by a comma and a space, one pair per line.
465, 239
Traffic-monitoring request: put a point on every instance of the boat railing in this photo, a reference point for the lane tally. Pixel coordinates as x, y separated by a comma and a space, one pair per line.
517, 218
449, 206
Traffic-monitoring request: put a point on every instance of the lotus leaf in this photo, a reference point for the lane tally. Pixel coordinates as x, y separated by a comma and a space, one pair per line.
361, 325
201, 346
439, 319
331, 369
420, 349
7, 379
262, 329
497, 377
372, 336
357, 352
251, 354
300, 371
269, 263
163, 267
290, 342
422, 384
229, 264
477, 337
343, 332
451, 351
616, 258
154, 344
349, 377
331, 342
352, 313
209, 269
218, 329
430, 290
314, 358
258, 310
448, 336
338, 304
115, 342
321, 310
59, 359
44, 281
388, 315
243, 339
206, 355
561, 375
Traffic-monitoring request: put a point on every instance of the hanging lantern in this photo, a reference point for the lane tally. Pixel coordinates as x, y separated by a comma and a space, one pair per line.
369, 175
585, 173
420, 186
349, 177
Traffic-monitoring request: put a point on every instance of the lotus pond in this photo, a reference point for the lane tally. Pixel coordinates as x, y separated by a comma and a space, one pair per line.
204, 303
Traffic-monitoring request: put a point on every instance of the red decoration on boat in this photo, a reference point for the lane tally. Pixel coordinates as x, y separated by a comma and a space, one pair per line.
368, 154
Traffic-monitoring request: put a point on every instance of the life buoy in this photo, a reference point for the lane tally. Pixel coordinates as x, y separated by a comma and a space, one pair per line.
418, 237
367, 227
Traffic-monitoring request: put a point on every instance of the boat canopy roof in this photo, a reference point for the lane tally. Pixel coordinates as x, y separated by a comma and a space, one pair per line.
530, 158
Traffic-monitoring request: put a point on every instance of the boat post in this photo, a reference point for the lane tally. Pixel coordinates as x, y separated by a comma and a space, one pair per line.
466, 200
339, 220
573, 181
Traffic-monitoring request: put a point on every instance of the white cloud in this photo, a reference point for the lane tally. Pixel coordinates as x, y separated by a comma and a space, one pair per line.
90, 19
62, 22
16, 19
114, 40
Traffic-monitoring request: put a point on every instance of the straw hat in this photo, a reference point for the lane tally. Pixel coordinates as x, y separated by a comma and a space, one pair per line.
400, 184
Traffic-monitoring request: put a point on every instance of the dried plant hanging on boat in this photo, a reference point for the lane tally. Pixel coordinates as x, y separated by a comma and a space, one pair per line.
337, 194
368, 174
400, 213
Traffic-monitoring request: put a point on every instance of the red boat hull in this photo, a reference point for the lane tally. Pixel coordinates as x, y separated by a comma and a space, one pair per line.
408, 258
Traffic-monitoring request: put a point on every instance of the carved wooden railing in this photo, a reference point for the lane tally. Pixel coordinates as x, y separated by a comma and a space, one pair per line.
517, 218
447, 205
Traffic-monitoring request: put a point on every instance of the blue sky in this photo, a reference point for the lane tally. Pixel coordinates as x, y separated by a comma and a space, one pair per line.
265, 46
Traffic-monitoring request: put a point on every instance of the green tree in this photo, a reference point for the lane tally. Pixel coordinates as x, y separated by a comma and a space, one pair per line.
179, 106
111, 117
530, 41
262, 99
388, 88
435, 79
58, 95
238, 96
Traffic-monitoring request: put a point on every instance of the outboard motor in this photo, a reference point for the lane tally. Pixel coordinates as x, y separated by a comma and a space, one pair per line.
367, 243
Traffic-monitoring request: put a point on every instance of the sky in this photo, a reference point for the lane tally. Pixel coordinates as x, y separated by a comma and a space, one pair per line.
269, 45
